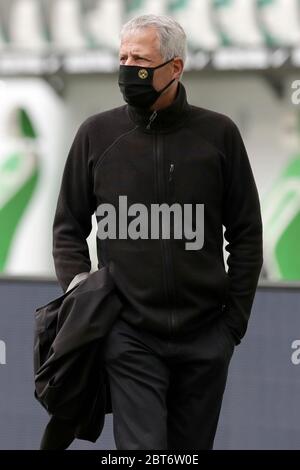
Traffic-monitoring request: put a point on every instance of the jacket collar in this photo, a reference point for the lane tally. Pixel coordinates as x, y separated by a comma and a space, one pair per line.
164, 119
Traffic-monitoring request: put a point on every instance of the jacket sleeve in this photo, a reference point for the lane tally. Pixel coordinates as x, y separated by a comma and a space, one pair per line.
243, 232
73, 217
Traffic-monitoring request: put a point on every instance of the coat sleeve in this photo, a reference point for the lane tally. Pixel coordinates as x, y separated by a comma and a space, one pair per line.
243, 232
73, 216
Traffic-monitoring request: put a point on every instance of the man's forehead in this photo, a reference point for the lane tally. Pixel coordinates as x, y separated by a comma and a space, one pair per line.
140, 41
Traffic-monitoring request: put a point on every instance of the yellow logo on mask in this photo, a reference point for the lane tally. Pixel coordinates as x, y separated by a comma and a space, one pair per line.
143, 74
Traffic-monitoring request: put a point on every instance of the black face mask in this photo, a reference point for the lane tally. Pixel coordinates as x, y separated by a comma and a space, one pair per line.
136, 84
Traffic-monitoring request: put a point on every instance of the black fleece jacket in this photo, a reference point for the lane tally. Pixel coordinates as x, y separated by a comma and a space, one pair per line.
181, 154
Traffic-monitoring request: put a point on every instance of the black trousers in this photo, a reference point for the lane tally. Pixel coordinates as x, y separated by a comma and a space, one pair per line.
166, 393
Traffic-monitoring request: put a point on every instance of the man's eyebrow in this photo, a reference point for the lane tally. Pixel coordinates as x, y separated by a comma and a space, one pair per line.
142, 56
136, 56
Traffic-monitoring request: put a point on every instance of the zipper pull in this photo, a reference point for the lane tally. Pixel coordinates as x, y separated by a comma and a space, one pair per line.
151, 119
171, 170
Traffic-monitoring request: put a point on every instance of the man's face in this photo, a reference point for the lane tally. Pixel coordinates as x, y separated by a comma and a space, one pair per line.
142, 48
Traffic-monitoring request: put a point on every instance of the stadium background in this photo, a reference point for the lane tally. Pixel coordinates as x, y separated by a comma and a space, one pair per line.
58, 65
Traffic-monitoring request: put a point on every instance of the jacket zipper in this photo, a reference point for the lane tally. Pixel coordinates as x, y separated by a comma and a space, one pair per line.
166, 248
151, 119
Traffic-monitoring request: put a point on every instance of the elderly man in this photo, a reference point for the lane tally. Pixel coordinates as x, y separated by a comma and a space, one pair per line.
167, 356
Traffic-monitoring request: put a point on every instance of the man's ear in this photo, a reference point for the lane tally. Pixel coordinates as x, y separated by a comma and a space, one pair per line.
177, 67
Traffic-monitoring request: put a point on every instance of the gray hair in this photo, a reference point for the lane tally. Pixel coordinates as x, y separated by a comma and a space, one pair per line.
171, 35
